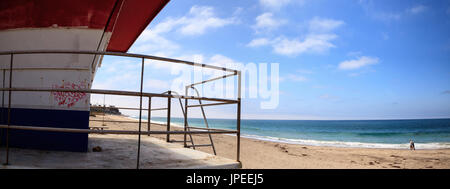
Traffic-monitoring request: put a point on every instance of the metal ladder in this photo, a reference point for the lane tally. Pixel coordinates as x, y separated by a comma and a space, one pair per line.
184, 115
188, 128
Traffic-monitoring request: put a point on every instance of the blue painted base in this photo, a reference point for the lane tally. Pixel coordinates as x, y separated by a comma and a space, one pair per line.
76, 142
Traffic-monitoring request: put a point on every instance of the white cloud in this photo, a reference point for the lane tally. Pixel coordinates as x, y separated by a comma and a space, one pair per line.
358, 63
296, 78
369, 8
318, 40
201, 18
258, 42
274, 4
266, 22
417, 9
220, 60
387, 16
197, 58
312, 43
118, 75
167, 25
196, 22
324, 25
150, 42
156, 84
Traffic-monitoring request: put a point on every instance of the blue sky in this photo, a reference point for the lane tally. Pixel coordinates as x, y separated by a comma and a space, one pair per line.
347, 59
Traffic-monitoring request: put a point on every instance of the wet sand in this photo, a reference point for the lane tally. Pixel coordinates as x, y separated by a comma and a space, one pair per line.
258, 154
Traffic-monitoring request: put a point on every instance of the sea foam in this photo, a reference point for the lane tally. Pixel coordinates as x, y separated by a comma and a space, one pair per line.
434, 145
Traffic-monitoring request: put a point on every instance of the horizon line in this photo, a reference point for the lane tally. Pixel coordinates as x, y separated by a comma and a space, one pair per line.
378, 119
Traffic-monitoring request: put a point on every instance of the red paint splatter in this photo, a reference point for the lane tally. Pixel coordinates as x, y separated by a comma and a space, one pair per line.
69, 98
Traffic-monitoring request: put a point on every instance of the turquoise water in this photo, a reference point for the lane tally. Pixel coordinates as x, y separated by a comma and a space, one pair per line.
427, 133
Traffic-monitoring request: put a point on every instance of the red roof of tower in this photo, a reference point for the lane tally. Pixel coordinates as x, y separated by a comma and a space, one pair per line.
125, 18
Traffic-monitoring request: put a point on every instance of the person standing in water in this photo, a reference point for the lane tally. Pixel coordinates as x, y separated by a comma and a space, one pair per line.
411, 145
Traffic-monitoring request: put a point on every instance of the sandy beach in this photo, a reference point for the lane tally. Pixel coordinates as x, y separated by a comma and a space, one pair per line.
257, 154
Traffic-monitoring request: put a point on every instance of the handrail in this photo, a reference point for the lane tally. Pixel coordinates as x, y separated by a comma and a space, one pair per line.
118, 54
204, 119
212, 79
71, 130
116, 92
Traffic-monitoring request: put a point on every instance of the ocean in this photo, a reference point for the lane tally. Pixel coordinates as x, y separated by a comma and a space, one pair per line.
392, 134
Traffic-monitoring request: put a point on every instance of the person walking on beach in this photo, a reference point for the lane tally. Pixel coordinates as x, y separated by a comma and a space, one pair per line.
411, 145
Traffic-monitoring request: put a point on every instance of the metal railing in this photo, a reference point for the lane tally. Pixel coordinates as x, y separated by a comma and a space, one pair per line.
140, 94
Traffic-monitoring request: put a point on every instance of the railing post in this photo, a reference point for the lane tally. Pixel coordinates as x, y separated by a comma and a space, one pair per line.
140, 114
185, 116
149, 113
9, 109
238, 134
3, 106
168, 115
104, 110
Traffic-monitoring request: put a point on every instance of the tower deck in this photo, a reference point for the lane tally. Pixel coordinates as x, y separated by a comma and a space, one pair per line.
119, 152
